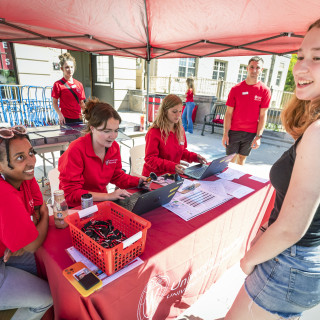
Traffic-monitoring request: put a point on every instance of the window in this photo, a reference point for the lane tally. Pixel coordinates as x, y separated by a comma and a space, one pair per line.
263, 75
187, 67
7, 70
242, 75
219, 70
103, 69
279, 76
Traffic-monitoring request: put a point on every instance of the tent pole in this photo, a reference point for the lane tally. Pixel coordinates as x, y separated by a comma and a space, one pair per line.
148, 83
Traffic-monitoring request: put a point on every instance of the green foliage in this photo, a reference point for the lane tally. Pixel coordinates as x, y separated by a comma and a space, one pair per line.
290, 85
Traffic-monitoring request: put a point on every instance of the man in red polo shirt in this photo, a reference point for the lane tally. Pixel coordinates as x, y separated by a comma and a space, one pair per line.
246, 113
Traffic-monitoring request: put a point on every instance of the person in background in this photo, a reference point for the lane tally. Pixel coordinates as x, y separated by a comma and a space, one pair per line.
283, 265
246, 113
92, 162
23, 228
187, 112
166, 143
69, 92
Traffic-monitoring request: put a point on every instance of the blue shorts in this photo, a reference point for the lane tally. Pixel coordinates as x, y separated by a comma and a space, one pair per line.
288, 284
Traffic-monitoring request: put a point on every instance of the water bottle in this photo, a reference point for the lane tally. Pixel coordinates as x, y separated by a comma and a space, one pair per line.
60, 209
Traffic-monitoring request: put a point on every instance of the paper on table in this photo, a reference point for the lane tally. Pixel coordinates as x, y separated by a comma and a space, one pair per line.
230, 174
235, 189
215, 187
263, 180
188, 206
77, 256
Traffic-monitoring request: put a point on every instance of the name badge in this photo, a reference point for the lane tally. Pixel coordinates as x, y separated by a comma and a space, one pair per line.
73, 86
244, 93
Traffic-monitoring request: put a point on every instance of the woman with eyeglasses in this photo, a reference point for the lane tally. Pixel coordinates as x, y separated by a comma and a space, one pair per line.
23, 228
68, 91
92, 162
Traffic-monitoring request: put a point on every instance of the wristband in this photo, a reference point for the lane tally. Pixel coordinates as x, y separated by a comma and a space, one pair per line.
259, 136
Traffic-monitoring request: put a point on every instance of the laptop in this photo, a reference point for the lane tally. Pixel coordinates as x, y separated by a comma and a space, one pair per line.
144, 200
202, 171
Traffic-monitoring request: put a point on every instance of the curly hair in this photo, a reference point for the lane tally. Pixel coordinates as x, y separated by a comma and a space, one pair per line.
63, 58
98, 113
298, 114
162, 121
5, 147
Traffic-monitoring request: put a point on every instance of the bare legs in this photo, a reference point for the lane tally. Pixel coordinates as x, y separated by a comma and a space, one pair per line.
239, 159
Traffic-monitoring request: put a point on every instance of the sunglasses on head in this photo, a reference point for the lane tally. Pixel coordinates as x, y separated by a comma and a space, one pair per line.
8, 133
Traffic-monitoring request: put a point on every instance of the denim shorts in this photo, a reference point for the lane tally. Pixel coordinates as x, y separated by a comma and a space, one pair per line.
288, 284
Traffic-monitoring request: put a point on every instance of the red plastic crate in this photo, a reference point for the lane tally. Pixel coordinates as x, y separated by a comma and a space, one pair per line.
113, 259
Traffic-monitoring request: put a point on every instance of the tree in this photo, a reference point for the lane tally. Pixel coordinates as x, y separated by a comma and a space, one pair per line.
290, 85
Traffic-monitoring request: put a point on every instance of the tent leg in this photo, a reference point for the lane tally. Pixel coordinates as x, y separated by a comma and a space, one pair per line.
148, 84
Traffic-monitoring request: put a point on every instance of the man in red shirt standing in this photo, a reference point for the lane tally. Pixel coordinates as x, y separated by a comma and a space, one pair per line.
246, 113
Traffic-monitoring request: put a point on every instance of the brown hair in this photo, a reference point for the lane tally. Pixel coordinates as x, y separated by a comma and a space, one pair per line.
298, 114
98, 113
162, 121
256, 59
66, 57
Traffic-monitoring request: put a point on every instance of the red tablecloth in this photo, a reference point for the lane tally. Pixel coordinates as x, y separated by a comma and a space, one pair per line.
181, 261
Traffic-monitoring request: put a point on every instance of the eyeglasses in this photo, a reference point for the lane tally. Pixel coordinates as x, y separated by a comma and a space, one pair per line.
8, 133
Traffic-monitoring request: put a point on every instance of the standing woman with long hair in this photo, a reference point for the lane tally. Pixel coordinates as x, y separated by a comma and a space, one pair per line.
68, 91
187, 112
283, 265
166, 143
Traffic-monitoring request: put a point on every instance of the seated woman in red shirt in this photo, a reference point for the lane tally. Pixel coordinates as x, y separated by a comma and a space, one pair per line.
23, 228
93, 161
166, 143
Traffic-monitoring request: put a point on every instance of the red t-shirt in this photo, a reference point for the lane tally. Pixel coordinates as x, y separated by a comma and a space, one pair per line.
81, 170
189, 95
162, 157
16, 206
247, 101
68, 104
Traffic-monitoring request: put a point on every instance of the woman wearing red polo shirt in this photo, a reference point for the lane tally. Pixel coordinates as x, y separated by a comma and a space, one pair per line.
166, 143
23, 228
69, 91
93, 161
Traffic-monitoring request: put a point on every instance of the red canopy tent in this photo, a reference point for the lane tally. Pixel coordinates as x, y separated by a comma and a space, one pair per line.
160, 29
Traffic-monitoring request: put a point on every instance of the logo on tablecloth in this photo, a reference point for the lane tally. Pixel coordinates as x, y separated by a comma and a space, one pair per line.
155, 290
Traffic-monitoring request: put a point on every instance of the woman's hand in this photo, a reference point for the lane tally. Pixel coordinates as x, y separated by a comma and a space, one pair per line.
179, 168
118, 194
144, 183
201, 159
246, 267
8, 254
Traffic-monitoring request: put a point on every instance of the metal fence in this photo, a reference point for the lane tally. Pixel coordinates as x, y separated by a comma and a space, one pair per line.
27, 105
218, 88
